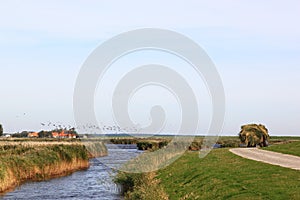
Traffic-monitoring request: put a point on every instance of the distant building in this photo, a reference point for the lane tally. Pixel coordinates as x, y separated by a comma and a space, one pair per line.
63, 134
33, 135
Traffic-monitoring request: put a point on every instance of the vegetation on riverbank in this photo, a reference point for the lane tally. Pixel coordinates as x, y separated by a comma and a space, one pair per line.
96, 149
151, 144
157, 142
22, 161
140, 186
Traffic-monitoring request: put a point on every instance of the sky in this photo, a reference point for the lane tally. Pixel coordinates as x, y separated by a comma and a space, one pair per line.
255, 46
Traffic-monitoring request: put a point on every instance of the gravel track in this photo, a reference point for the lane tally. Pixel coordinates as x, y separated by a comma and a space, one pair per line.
273, 158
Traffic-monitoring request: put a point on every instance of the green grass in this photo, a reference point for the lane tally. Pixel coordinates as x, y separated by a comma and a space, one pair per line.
220, 175
223, 175
292, 148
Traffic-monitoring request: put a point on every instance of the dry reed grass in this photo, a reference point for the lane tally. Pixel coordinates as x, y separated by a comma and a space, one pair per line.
39, 160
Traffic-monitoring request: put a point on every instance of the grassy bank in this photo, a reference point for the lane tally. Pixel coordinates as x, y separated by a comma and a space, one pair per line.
220, 175
95, 149
37, 161
140, 186
292, 147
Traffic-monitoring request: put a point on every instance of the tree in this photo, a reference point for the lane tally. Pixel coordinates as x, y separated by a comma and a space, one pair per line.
1, 130
253, 134
45, 134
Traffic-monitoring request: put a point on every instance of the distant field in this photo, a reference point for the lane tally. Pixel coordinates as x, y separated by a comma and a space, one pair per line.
222, 175
276, 139
292, 148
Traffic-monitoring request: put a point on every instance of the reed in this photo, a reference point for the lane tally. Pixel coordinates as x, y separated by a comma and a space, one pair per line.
140, 186
37, 161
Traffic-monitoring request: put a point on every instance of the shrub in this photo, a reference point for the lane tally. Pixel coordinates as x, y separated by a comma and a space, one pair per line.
254, 134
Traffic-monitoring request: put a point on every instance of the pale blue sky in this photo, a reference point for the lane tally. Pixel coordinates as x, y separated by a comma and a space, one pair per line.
255, 46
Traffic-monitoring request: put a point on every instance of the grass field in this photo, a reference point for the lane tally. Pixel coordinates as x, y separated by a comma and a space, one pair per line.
223, 175
220, 175
292, 148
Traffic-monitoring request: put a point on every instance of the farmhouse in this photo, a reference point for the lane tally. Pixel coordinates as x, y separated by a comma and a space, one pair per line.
63, 134
33, 135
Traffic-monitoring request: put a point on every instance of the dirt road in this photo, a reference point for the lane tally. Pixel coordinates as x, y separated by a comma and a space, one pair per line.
283, 160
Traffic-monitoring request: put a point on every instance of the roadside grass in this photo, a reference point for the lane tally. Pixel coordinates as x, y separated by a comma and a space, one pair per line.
292, 148
223, 175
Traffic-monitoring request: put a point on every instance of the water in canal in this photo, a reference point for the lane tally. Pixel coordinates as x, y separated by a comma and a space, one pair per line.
94, 183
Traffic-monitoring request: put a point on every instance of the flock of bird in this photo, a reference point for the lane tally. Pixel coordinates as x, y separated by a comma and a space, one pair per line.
92, 129
87, 128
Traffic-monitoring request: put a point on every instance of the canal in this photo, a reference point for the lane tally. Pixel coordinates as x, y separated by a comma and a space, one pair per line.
93, 183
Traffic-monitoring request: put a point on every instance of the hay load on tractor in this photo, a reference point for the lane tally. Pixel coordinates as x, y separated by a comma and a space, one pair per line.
253, 135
